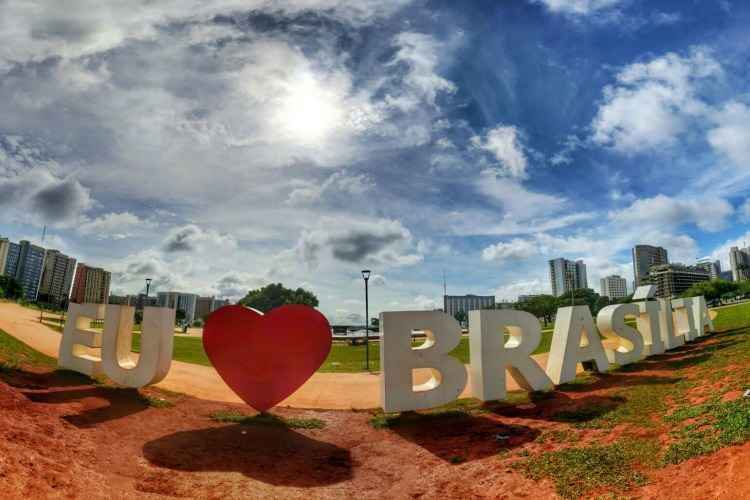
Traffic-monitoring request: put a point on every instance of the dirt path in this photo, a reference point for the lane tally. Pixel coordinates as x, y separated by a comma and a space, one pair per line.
336, 391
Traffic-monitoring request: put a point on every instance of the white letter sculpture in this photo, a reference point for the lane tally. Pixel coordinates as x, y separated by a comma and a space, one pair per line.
111, 354
156, 345
666, 326
566, 351
611, 323
684, 320
491, 355
648, 325
77, 335
701, 319
398, 360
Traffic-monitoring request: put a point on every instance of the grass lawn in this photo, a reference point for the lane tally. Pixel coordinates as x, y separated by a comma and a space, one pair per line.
15, 354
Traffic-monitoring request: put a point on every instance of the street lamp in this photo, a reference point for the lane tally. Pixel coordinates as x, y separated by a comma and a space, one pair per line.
366, 277
148, 285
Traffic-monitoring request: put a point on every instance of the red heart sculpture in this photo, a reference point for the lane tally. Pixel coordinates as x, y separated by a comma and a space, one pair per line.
265, 358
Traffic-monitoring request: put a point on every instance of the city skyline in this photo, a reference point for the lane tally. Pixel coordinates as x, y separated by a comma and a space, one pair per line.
217, 149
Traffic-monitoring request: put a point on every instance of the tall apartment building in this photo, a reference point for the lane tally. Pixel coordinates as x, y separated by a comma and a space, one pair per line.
614, 287
673, 279
11, 252
465, 303
4, 249
91, 285
27, 268
711, 267
739, 262
645, 257
57, 277
178, 301
566, 275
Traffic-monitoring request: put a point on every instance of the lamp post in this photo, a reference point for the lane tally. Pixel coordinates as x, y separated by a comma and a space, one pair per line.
366, 277
148, 286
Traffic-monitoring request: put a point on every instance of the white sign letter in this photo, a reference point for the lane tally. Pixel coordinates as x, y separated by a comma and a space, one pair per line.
491, 355
701, 319
666, 326
684, 321
648, 326
398, 360
567, 351
77, 336
611, 323
156, 345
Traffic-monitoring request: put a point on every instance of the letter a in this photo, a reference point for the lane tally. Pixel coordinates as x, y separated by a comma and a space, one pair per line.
398, 360
572, 325
491, 355
156, 345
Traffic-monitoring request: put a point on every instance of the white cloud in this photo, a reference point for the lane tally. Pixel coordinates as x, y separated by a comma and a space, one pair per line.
517, 201
709, 214
191, 238
339, 183
579, 7
731, 136
421, 53
505, 144
511, 291
114, 225
516, 249
651, 103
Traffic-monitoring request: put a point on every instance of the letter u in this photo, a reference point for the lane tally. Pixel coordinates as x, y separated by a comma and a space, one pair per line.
152, 365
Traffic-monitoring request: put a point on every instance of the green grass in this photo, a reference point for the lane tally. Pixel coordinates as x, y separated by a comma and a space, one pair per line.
578, 471
732, 317
15, 354
266, 419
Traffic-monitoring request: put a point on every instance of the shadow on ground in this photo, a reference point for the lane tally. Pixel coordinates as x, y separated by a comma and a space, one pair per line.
272, 455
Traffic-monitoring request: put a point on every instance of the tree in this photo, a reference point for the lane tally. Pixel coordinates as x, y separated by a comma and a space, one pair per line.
541, 306
712, 290
179, 316
275, 295
461, 317
12, 289
375, 323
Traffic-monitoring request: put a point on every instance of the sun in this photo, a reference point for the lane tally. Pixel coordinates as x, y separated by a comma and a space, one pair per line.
308, 112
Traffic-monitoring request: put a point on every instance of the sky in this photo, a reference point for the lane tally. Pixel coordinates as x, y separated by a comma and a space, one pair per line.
220, 146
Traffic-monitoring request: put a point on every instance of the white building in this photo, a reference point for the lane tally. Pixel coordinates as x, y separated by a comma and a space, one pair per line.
566, 275
465, 303
711, 267
178, 301
739, 261
614, 287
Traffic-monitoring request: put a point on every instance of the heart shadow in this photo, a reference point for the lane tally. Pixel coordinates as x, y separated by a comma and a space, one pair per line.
275, 456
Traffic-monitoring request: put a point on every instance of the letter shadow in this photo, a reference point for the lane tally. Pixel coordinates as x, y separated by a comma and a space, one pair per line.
275, 456
456, 436
122, 402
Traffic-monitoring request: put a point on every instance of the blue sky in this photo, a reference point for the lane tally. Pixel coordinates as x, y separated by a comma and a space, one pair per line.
219, 146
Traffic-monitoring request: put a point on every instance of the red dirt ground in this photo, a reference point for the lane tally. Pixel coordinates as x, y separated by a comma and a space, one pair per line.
61, 437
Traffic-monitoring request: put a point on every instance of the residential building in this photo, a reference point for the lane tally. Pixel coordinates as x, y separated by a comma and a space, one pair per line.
566, 275
711, 267
614, 287
645, 257
28, 269
465, 303
185, 302
57, 277
4, 249
726, 276
91, 285
672, 280
12, 252
138, 301
739, 262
